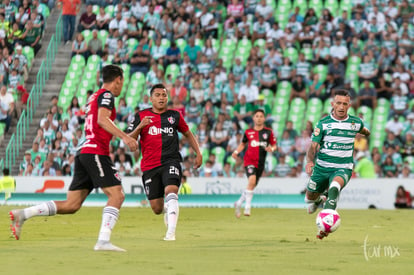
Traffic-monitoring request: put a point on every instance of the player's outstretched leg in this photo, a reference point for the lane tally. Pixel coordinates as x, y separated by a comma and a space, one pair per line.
172, 216
333, 194
238, 204
109, 218
19, 216
314, 204
248, 206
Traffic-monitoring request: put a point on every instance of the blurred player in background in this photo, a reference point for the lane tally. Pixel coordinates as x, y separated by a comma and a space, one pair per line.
158, 129
330, 155
259, 141
93, 166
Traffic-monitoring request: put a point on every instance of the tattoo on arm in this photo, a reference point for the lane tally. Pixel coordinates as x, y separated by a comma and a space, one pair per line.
313, 149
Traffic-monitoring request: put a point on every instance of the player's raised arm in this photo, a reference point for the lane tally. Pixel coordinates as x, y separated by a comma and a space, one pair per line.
194, 144
137, 130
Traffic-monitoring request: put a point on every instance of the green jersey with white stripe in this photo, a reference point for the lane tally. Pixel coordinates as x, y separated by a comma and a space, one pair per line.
336, 139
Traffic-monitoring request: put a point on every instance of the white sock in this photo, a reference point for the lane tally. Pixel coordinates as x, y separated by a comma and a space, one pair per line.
109, 217
172, 212
44, 209
242, 198
249, 197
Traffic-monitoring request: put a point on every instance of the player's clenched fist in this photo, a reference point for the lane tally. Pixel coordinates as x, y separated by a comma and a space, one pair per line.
131, 143
309, 167
145, 121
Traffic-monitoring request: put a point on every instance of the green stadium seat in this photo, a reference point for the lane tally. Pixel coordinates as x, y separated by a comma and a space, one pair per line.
95, 9
132, 44
174, 70
322, 71
366, 112
87, 34
302, 4
383, 102
332, 6
199, 42
110, 10
220, 153
314, 105
205, 153
291, 53
78, 59
94, 59
270, 163
181, 43
327, 106
284, 3
103, 35
44, 10
298, 106
165, 43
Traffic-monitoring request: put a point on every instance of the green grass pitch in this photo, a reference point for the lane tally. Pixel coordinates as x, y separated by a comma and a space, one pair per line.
212, 241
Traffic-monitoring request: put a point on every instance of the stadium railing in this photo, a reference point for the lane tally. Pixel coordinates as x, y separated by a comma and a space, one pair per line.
19, 136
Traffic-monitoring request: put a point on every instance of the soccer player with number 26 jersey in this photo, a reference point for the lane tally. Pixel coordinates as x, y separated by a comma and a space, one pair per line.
158, 129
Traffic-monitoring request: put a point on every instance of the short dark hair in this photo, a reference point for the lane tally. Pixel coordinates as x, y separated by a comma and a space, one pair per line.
342, 92
258, 111
111, 72
6, 172
157, 86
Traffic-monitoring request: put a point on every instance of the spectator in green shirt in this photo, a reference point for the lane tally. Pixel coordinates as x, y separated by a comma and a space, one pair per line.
364, 167
31, 36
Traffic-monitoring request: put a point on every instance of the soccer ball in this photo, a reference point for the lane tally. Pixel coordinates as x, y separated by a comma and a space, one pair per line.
328, 220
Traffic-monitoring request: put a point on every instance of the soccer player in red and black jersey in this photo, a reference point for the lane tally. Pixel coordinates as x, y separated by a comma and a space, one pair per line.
158, 129
93, 166
259, 141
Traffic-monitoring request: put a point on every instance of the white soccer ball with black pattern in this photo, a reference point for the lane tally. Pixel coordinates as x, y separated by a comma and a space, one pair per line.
328, 220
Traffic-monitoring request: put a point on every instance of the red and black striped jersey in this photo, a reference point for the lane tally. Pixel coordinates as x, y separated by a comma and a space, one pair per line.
257, 141
159, 140
96, 138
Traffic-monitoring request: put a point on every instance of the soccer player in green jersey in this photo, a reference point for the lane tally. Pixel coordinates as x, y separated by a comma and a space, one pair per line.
330, 155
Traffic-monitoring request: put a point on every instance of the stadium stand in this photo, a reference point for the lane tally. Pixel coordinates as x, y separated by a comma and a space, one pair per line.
370, 43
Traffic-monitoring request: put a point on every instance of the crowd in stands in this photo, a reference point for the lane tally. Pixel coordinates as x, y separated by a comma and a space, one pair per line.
21, 28
221, 60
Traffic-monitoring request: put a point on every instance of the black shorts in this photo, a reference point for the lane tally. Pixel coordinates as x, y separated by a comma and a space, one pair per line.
156, 179
93, 171
251, 170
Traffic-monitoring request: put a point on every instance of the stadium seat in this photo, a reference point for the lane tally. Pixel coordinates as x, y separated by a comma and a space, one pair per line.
284, 3
314, 105
110, 10
199, 42
303, 6
103, 35
174, 70
78, 59
220, 154
291, 53
181, 43
95, 9
322, 71
270, 163
332, 6
297, 106
132, 44
366, 112
87, 34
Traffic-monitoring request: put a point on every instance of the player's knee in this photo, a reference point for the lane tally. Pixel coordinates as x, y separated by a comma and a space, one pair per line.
158, 210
